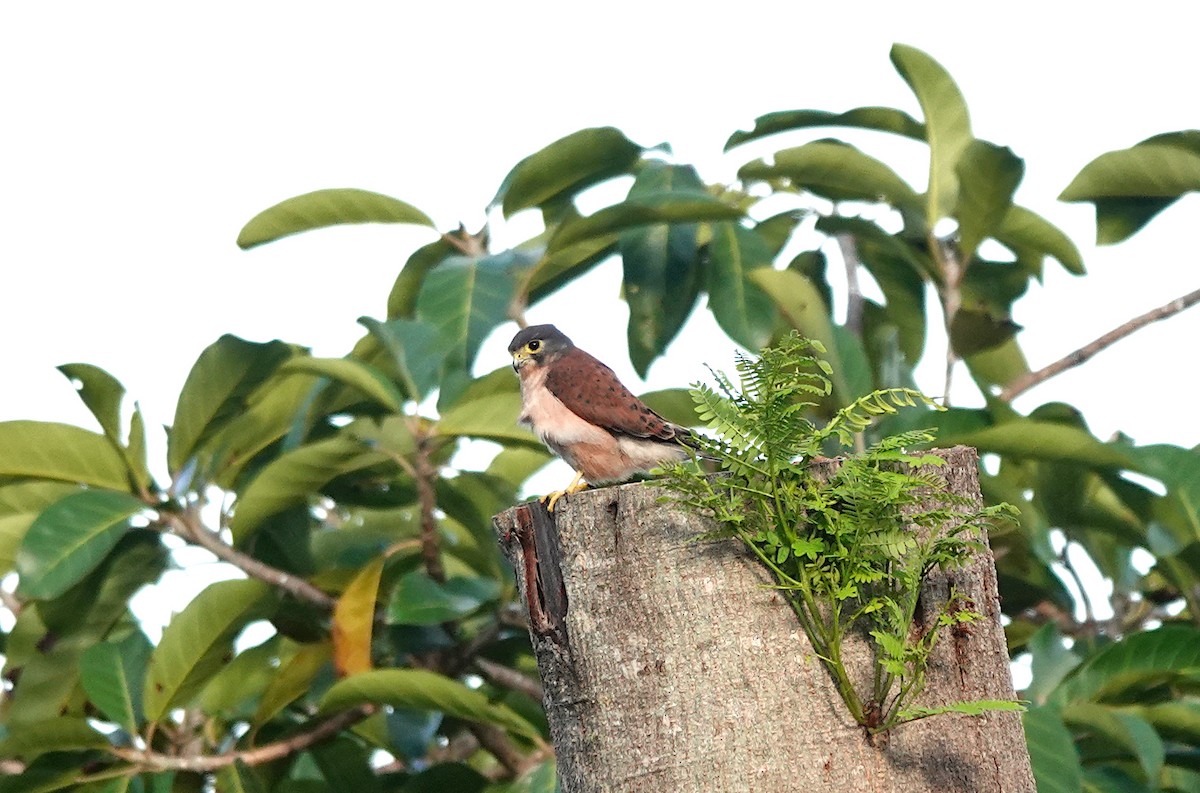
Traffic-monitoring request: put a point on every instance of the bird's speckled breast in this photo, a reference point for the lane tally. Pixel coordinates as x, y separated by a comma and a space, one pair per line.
551, 420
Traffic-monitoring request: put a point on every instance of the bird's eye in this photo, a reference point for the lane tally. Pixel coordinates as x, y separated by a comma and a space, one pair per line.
535, 345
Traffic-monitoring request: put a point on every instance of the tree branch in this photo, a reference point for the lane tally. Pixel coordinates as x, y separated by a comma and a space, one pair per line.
507, 677
1028, 381
10, 602
946, 256
424, 476
854, 296
188, 526
157, 762
497, 742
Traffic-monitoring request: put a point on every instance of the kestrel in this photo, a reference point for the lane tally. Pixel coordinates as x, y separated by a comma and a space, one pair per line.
582, 412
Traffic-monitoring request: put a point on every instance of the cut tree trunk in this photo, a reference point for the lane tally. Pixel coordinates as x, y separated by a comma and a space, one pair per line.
668, 666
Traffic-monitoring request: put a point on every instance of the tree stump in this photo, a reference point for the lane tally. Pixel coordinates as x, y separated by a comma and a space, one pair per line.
667, 665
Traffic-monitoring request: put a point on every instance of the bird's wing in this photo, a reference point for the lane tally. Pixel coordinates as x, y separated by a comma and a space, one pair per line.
590, 390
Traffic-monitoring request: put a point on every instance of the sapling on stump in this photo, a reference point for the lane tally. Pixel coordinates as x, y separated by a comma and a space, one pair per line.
671, 664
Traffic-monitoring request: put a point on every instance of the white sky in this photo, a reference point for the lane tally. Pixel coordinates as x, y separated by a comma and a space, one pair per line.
138, 138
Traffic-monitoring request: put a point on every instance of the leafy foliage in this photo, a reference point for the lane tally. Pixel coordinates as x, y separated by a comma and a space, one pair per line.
848, 551
334, 482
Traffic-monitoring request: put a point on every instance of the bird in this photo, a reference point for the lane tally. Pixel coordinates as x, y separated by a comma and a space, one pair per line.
584, 414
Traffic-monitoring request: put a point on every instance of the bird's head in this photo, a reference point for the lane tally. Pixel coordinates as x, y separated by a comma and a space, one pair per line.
537, 345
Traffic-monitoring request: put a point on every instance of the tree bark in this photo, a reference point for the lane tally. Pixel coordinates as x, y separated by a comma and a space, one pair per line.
668, 666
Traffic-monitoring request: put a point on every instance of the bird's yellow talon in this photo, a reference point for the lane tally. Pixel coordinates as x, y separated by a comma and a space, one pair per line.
577, 484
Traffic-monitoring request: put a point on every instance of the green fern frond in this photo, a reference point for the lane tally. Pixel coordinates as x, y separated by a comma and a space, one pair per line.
849, 551
864, 411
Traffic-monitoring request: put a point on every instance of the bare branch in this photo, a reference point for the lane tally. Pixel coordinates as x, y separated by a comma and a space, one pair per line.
466, 243
1028, 381
424, 476
188, 526
507, 677
854, 297
11, 602
497, 742
1089, 613
157, 762
945, 254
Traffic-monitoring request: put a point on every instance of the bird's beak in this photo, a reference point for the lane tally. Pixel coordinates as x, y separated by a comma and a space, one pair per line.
520, 357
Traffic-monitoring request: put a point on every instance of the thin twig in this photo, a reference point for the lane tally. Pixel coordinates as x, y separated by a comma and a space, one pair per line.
458, 659
1029, 380
1089, 614
946, 256
466, 243
424, 475
507, 677
854, 297
10, 602
497, 742
158, 762
188, 526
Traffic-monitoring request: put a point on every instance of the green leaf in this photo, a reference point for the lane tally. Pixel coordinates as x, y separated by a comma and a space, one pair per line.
239, 778
1042, 440
800, 302
113, 675
1147, 170
881, 119
322, 208
48, 450
402, 300
50, 735
101, 392
1055, 761
1127, 730
901, 273
12, 532
413, 348
464, 299
443, 777
292, 681
975, 331
295, 476
198, 642
566, 167
673, 404
234, 690
1052, 661
70, 538
836, 171
661, 268
560, 268
542, 779
1031, 238
217, 390
424, 690
947, 125
740, 306
364, 377
680, 206
419, 600
1138, 659
488, 409
1130, 186
998, 365
271, 411
988, 176
20, 504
